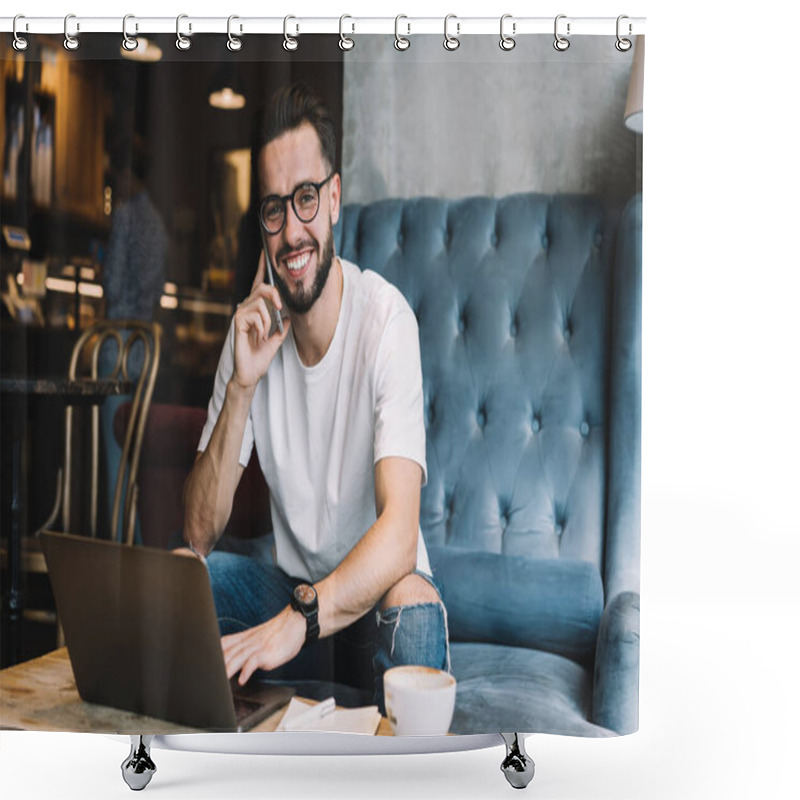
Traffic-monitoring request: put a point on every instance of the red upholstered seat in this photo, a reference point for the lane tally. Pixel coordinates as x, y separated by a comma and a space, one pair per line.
168, 452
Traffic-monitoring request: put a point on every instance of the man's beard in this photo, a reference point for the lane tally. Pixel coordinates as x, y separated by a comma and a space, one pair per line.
302, 301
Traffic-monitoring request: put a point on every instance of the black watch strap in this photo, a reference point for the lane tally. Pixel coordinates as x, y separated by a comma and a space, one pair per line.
310, 610
312, 628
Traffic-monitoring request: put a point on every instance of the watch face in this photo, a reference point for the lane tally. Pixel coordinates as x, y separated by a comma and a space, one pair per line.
305, 594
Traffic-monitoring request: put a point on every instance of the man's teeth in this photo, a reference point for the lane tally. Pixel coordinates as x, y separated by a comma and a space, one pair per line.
296, 264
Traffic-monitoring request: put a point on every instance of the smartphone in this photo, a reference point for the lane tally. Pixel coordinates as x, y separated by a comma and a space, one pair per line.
278, 319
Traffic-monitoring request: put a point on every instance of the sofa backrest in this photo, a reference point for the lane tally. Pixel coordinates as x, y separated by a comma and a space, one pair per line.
169, 448
529, 323
513, 299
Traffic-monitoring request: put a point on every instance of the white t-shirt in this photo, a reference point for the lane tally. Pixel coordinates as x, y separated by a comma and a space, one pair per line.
319, 431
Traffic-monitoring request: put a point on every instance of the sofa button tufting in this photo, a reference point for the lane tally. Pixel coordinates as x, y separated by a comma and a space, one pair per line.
494, 240
584, 428
567, 332
559, 529
504, 520
462, 323
545, 241
513, 330
536, 425
481, 418
400, 239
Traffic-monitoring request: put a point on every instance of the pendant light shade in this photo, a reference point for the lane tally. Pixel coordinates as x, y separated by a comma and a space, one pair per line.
226, 90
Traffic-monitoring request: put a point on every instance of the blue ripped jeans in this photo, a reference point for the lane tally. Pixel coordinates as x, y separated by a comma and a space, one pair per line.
248, 592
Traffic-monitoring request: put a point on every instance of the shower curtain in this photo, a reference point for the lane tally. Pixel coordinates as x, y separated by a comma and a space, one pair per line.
443, 442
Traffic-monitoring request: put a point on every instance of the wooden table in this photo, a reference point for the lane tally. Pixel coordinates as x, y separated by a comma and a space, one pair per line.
40, 695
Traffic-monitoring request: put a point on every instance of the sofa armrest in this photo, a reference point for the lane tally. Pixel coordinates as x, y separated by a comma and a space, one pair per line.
623, 520
615, 702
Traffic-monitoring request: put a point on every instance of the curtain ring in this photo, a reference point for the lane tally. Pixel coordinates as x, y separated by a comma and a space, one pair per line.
20, 43
507, 42
70, 42
345, 42
289, 42
451, 42
561, 43
182, 42
400, 42
623, 45
129, 43
234, 43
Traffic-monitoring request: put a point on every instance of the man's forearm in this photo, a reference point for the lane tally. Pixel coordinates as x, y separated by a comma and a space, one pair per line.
380, 559
383, 556
211, 485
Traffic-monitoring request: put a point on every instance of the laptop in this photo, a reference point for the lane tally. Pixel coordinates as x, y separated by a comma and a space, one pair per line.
142, 635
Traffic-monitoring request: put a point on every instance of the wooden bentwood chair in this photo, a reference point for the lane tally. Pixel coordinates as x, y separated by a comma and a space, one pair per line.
89, 365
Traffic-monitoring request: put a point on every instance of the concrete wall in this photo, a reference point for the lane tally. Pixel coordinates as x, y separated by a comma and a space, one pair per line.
483, 121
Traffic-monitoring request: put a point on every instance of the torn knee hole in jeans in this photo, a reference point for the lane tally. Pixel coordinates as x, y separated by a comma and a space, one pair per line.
393, 615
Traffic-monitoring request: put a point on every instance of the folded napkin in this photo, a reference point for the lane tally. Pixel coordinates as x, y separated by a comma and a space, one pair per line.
364, 720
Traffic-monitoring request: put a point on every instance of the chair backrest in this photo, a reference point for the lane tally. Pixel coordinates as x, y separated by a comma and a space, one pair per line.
127, 352
513, 297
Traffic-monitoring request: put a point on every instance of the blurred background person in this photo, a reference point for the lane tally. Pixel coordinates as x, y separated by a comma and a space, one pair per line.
133, 280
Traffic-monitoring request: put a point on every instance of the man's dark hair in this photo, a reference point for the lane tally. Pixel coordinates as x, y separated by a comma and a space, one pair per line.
288, 109
130, 151
140, 158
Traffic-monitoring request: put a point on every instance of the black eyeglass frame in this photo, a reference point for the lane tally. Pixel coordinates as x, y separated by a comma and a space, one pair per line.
290, 197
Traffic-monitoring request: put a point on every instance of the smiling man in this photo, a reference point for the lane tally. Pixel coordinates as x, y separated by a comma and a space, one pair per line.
333, 406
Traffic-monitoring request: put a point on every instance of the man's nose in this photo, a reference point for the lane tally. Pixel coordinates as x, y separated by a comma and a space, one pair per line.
293, 229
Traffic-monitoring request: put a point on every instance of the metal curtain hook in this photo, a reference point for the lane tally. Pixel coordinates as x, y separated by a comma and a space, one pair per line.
345, 42
234, 43
20, 42
70, 42
182, 42
289, 42
451, 42
623, 45
129, 43
507, 42
400, 42
561, 43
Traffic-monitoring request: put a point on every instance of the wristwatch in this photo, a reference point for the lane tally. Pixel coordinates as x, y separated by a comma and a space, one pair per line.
304, 600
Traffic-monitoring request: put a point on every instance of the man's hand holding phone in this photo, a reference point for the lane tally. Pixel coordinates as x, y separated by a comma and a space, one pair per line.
254, 347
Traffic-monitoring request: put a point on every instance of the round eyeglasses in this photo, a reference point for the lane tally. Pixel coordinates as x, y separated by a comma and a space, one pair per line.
305, 202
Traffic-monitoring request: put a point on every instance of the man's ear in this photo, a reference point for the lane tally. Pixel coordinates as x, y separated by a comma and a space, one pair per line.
336, 197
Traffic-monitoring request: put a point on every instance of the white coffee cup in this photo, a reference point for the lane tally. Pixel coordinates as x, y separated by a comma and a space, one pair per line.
419, 700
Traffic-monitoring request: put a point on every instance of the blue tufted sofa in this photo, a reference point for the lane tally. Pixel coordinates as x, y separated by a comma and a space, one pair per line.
529, 311
530, 334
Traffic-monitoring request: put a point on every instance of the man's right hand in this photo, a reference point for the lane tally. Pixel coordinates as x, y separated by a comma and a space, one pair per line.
254, 348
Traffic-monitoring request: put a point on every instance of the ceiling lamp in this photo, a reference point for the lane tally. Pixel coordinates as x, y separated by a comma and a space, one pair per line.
145, 51
226, 89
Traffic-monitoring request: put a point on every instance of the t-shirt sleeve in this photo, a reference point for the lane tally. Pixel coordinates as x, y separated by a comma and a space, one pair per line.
224, 373
399, 421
